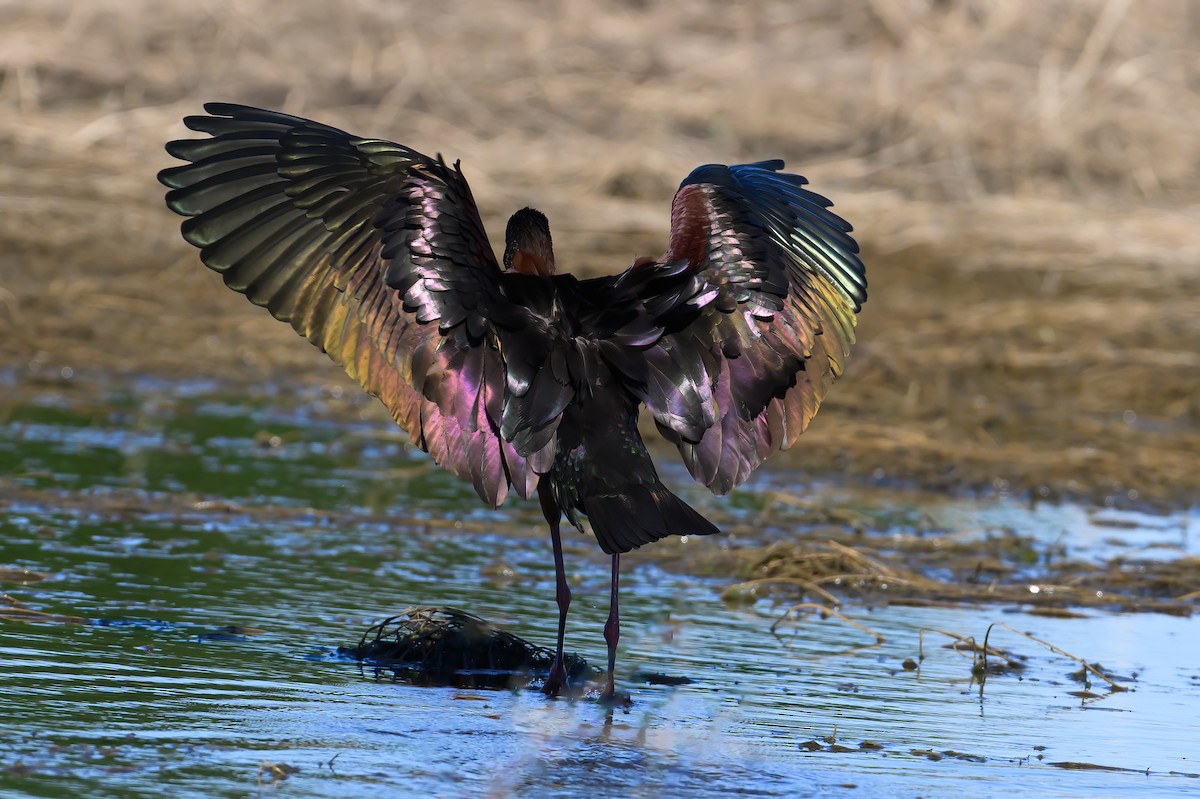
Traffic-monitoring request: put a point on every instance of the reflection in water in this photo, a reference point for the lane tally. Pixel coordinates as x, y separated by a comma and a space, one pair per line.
157, 692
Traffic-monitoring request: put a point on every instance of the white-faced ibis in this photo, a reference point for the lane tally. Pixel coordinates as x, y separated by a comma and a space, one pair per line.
519, 377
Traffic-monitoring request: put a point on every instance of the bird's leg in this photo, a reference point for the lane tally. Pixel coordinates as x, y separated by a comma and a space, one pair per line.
562, 593
612, 628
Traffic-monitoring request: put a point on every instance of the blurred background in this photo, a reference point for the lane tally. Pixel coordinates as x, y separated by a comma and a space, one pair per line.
1021, 175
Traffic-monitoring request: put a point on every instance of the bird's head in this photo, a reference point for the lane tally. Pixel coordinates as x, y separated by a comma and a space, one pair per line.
527, 245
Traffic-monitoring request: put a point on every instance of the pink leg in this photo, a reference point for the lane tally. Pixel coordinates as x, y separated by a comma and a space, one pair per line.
558, 672
612, 628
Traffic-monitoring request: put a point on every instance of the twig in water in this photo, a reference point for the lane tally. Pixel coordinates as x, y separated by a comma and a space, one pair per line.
1113, 684
879, 639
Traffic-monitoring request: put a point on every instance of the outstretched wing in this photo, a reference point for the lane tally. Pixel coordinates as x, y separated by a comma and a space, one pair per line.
766, 329
376, 254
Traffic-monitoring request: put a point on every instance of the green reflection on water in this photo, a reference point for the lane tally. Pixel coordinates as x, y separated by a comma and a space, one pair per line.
143, 700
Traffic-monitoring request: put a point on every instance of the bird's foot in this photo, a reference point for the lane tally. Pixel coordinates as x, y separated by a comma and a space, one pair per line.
557, 680
611, 698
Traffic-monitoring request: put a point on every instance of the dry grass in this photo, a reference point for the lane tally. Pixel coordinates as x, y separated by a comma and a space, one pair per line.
1021, 175
913, 570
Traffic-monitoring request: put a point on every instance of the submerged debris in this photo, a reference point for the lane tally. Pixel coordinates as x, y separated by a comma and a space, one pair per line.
655, 678
272, 773
12, 609
1113, 685
1005, 662
446, 646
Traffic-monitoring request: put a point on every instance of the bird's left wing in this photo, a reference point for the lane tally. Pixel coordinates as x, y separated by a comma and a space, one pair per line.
755, 300
376, 254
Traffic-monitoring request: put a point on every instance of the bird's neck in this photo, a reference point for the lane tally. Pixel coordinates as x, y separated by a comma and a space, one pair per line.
531, 261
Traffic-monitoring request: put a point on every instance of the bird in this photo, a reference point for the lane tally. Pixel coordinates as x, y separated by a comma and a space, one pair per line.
515, 376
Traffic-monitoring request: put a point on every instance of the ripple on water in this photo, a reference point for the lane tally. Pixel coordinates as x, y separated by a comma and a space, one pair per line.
198, 661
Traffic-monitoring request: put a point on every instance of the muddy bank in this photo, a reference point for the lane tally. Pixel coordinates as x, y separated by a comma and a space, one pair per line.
1019, 186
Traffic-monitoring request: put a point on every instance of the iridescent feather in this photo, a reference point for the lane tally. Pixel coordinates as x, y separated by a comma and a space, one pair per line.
377, 254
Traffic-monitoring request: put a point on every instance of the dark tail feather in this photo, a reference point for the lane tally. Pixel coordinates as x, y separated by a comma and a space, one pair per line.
641, 514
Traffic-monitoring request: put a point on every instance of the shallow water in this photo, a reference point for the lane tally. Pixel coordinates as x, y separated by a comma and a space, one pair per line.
217, 550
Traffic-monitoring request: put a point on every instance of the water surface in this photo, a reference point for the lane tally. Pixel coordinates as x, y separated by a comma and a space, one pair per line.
214, 551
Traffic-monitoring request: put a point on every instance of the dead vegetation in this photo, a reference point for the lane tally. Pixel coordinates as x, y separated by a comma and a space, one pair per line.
905, 570
446, 646
13, 609
1021, 176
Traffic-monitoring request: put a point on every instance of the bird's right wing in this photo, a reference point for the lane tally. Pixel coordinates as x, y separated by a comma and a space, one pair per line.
755, 300
376, 254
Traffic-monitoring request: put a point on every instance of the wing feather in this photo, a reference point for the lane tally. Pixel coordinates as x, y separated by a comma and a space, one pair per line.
376, 254
751, 346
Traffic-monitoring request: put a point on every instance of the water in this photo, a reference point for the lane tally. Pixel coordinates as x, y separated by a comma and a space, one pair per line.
217, 550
